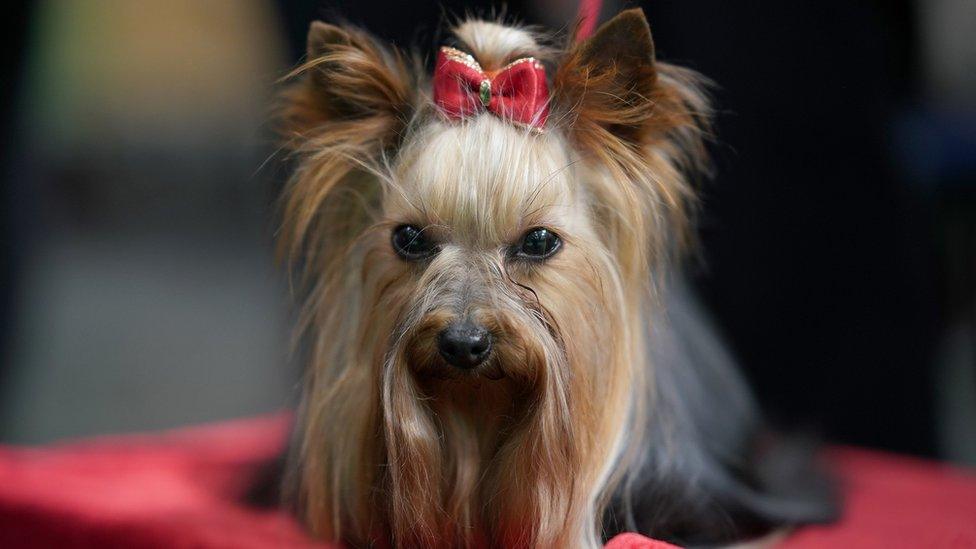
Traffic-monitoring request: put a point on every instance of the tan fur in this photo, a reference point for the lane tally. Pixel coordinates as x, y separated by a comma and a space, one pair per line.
394, 445
494, 44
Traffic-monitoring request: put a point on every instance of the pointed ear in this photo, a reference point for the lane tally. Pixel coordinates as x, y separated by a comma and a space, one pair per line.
623, 47
641, 123
611, 86
349, 104
323, 35
349, 77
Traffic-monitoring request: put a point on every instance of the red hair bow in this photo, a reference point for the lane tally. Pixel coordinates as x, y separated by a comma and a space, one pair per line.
518, 92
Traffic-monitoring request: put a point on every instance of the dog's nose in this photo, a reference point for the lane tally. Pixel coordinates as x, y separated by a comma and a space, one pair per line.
464, 345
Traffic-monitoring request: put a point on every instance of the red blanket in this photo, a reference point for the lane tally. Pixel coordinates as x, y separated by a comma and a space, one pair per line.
183, 489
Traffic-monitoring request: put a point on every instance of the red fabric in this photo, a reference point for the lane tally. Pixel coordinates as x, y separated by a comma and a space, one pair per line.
518, 92
588, 15
894, 502
637, 541
182, 489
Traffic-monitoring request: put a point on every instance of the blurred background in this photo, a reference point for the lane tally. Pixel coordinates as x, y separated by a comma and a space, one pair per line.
138, 176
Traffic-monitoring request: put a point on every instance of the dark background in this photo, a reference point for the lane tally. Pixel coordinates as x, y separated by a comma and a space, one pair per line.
839, 232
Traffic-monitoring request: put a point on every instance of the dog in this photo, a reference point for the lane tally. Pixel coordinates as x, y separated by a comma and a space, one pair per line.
500, 352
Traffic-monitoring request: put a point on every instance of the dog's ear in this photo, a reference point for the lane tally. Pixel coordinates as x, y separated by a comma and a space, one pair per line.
638, 121
610, 85
349, 79
348, 105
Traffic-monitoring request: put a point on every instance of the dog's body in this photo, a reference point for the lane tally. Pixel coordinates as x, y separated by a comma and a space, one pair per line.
717, 474
492, 360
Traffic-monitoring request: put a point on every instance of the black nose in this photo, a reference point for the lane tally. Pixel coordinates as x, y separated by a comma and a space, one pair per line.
464, 345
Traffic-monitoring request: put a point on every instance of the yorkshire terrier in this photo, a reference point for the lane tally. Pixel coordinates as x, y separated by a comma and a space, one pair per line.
498, 356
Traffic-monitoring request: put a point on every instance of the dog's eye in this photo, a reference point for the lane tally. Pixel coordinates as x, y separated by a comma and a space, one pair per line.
411, 244
539, 243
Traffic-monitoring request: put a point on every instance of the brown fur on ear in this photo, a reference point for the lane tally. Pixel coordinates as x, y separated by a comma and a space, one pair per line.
610, 77
349, 76
612, 86
350, 103
635, 120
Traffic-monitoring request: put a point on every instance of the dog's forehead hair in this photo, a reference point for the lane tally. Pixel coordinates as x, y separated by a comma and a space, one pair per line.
484, 180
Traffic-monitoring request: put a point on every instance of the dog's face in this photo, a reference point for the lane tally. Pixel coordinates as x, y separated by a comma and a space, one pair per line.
476, 287
496, 305
492, 266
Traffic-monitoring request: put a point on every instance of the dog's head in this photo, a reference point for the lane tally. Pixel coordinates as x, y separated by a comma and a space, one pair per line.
476, 284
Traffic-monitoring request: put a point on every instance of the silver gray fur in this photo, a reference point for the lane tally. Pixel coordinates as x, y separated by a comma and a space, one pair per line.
711, 472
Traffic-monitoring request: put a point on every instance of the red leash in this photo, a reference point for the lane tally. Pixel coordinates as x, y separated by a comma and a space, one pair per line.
588, 15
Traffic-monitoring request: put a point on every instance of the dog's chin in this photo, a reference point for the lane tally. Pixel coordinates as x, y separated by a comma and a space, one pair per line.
437, 369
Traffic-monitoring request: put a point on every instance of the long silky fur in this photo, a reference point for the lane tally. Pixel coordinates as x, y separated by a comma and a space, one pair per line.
390, 451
